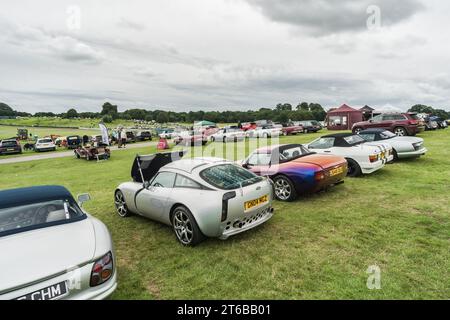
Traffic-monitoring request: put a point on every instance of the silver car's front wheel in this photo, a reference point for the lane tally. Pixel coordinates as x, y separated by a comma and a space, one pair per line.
121, 205
185, 227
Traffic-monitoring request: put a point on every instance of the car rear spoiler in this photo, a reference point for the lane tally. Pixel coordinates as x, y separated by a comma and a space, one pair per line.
145, 167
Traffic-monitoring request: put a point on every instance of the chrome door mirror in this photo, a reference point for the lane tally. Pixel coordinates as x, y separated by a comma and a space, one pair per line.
82, 198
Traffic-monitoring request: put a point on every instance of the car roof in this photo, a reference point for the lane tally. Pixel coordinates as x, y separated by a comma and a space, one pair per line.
373, 130
338, 135
21, 196
189, 165
269, 149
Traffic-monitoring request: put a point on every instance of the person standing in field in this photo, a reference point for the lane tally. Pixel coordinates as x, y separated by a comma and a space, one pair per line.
123, 137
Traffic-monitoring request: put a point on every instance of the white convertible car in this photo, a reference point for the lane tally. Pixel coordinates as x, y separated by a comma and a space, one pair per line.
362, 157
52, 249
202, 197
265, 131
403, 147
228, 134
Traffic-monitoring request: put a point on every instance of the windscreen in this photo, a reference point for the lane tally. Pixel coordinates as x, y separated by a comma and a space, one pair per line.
38, 215
10, 143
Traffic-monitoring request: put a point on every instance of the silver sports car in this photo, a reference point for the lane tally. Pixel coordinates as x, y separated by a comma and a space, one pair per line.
199, 197
51, 248
403, 147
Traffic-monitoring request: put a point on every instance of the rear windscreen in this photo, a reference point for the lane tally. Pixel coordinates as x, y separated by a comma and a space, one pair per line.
38, 215
229, 176
9, 143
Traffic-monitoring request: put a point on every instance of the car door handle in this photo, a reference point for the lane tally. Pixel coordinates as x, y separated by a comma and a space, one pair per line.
327, 151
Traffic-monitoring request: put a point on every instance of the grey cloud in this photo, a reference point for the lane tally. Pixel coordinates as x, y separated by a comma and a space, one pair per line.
322, 17
41, 41
129, 24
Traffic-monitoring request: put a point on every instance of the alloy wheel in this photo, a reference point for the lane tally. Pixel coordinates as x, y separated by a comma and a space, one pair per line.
282, 189
121, 205
183, 227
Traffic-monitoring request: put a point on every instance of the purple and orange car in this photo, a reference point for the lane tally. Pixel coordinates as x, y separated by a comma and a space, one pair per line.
295, 170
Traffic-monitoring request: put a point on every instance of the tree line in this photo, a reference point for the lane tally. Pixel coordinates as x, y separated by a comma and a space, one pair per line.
282, 112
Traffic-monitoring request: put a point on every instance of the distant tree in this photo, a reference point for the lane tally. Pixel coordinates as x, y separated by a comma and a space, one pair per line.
71, 113
284, 107
107, 118
162, 117
110, 109
421, 108
303, 106
6, 110
45, 114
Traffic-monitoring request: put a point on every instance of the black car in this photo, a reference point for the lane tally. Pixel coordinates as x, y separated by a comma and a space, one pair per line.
74, 142
131, 138
10, 146
143, 136
309, 126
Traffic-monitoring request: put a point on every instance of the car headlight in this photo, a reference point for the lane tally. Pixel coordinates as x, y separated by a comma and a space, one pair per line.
102, 270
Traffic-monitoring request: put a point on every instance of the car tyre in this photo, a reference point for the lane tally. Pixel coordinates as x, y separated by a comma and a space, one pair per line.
400, 131
284, 189
395, 154
357, 130
354, 170
213, 139
185, 227
121, 205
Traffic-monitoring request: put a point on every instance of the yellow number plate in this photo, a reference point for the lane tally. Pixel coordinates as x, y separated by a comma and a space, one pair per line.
336, 171
254, 203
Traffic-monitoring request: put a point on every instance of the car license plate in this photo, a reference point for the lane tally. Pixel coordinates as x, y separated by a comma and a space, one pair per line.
50, 293
383, 155
336, 171
10, 149
256, 202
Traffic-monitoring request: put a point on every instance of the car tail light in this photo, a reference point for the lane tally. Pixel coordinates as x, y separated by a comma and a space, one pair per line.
319, 175
373, 158
102, 270
227, 196
413, 122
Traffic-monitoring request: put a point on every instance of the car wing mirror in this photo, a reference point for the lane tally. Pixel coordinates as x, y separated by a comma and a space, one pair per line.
82, 198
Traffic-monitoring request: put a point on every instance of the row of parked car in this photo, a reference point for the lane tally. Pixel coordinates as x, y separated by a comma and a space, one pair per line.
263, 129
198, 198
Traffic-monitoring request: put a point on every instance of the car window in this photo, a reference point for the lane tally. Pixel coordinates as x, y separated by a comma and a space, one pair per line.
183, 182
398, 117
229, 176
40, 214
354, 139
9, 143
45, 141
322, 143
293, 153
368, 136
387, 135
378, 118
259, 159
164, 180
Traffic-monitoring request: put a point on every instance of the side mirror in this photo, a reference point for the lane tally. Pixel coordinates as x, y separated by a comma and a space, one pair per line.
82, 198
371, 121
146, 184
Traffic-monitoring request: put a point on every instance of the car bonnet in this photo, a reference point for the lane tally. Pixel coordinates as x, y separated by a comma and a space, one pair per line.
43, 253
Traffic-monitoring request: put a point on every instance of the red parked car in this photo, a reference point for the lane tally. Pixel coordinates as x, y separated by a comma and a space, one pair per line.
402, 124
290, 128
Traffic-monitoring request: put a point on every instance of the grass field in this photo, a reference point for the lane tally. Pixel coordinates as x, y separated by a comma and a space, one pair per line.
318, 247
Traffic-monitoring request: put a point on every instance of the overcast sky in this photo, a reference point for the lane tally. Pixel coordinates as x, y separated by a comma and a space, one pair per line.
223, 54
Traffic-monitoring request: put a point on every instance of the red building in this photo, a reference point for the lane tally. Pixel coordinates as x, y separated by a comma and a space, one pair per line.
343, 118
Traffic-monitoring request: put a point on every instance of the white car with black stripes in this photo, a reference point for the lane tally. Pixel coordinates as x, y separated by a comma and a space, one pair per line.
362, 157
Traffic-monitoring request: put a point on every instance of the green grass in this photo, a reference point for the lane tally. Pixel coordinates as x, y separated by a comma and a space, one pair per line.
318, 247
58, 122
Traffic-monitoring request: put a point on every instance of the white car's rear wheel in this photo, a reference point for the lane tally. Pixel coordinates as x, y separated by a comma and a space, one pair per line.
185, 227
121, 205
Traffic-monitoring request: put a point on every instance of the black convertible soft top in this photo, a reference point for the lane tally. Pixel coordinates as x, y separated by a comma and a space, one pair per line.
17, 197
145, 167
